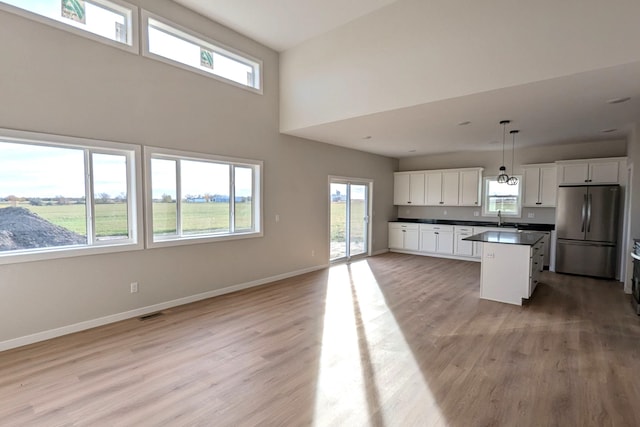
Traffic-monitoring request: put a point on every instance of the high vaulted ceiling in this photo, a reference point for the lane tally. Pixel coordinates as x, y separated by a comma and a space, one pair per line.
283, 24
553, 71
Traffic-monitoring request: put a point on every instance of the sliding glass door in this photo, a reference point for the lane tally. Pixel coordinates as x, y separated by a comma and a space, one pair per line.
349, 201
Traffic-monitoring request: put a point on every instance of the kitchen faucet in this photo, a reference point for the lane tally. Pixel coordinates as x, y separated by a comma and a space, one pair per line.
499, 218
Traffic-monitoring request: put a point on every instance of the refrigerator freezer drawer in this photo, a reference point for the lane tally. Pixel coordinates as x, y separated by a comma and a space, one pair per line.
585, 258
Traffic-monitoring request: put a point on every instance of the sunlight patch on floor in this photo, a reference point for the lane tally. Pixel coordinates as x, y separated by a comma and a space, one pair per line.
357, 385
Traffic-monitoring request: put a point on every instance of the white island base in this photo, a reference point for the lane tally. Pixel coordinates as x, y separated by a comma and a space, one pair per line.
509, 273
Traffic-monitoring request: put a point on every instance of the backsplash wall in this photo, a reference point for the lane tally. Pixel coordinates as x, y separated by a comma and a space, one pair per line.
541, 215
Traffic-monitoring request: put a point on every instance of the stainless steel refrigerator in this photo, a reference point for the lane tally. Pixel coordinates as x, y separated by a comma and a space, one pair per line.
587, 230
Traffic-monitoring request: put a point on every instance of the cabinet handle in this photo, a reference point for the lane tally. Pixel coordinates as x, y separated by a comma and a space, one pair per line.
436, 232
538, 203
409, 202
404, 231
441, 203
475, 203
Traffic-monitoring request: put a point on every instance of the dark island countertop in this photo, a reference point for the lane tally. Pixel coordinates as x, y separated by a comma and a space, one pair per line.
518, 225
506, 237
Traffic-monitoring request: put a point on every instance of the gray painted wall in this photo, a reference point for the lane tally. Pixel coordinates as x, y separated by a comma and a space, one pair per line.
56, 82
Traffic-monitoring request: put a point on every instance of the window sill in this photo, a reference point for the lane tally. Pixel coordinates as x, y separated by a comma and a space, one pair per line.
65, 252
197, 240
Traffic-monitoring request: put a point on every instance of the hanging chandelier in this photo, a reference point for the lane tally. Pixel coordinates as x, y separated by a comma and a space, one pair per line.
512, 179
502, 176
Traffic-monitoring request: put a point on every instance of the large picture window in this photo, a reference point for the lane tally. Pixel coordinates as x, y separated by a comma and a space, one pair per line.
60, 194
196, 197
110, 21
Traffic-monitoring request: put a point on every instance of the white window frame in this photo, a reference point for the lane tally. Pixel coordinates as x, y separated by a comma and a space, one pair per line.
485, 202
189, 239
134, 197
133, 31
186, 34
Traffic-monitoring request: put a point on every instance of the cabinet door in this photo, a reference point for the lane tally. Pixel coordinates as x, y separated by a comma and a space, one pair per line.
396, 237
548, 186
401, 189
416, 188
428, 239
604, 172
574, 173
433, 188
531, 187
450, 188
445, 242
469, 188
411, 240
463, 247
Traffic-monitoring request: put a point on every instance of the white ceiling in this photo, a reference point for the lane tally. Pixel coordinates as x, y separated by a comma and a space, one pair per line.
562, 110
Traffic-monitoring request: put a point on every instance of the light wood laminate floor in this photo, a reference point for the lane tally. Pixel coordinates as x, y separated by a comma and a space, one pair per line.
393, 340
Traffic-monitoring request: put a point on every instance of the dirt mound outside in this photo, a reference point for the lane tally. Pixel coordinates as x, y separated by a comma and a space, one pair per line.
22, 229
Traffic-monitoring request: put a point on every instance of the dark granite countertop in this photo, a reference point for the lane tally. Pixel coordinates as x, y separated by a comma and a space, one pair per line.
506, 237
518, 225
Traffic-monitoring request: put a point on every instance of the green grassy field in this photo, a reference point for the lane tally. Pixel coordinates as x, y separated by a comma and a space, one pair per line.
111, 218
339, 220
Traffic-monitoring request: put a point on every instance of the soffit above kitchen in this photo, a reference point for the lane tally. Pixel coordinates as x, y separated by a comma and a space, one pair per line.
400, 78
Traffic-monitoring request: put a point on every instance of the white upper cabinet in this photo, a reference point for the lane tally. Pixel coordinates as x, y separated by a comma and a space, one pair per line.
442, 188
447, 187
470, 187
453, 187
590, 171
433, 188
408, 188
450, 188
540, 185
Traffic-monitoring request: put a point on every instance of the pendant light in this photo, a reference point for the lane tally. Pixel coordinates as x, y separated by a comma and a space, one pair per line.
512, 179
502, 176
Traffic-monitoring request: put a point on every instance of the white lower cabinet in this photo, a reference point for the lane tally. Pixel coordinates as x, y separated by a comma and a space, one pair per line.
403, 236
463, 247
436, 238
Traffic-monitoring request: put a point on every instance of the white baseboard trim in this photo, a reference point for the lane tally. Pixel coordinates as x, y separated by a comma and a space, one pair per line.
380, 252
435, 255
88, 324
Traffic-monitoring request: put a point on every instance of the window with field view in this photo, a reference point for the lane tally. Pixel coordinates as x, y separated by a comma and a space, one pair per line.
193, 52
502, 197
110, 20
59, 195
201, 197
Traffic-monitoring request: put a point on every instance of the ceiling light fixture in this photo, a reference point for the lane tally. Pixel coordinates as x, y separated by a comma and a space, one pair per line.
512, 179
502, 176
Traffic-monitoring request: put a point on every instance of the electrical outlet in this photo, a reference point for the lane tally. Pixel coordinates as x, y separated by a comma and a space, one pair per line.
134, 287
476, 213
313, 253
445, 213
277, 218
531, 215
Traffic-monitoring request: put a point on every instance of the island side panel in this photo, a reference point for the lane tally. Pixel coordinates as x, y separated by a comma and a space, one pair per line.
505, 272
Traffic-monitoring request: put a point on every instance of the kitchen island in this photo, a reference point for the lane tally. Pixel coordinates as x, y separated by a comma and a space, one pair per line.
510, 265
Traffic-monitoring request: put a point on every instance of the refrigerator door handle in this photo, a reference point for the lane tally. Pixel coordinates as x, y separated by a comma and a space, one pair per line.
584, 211
589, 213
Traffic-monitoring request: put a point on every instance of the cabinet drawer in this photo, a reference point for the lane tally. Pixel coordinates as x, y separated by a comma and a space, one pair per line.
403, 225
436, 227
